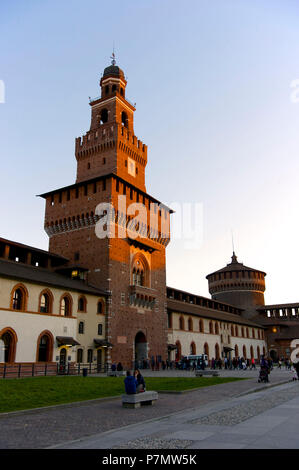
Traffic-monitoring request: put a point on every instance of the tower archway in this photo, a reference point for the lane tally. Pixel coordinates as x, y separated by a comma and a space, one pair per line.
140, 347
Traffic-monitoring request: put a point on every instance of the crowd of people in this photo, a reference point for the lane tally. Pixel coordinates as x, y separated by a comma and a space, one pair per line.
136, 384
237, 363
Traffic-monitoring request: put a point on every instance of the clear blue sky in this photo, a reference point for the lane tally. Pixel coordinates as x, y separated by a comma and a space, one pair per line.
211, 80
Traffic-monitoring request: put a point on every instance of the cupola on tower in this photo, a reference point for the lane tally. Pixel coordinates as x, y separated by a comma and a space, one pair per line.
110, 145
238, 285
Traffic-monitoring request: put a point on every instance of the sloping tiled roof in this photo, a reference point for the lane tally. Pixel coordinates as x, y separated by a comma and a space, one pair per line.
32, 248
38, 275
204, 312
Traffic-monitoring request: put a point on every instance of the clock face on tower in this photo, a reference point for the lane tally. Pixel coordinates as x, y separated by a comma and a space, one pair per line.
131, 167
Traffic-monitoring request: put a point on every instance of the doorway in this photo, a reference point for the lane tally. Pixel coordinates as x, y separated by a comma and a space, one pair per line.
140, 348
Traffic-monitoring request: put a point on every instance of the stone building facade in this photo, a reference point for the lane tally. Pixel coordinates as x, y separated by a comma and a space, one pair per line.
107, 253
197, 325
47, 310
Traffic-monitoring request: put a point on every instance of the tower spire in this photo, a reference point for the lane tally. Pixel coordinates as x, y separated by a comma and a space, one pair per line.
234, 257
113, 61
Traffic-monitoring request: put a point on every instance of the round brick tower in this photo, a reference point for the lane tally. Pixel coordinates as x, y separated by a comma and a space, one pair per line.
238, 285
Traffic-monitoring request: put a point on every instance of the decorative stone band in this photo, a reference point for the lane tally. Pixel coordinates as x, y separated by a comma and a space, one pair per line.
89, 220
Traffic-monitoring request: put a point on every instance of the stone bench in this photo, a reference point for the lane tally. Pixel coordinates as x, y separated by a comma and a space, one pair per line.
116, 373
137, 399
200, 373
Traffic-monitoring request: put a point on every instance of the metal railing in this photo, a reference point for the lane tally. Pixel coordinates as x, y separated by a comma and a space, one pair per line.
35, 369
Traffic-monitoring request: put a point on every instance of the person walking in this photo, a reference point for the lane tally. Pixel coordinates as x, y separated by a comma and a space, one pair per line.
296, 367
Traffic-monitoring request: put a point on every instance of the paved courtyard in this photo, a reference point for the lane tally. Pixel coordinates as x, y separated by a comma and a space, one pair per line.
263, 420
210, 417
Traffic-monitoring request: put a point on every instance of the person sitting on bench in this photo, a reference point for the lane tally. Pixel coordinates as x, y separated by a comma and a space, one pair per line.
140, 381
130, 384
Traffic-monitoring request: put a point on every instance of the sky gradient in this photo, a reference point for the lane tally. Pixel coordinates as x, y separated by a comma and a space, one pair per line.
212, 83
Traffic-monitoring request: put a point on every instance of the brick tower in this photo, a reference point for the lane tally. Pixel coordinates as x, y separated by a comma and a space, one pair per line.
130, 263
238, 285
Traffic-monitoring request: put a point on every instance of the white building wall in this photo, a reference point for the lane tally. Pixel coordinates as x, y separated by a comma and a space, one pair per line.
29, 326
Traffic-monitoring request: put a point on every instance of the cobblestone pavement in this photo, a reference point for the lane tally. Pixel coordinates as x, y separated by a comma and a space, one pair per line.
152, 443
52, 426
244, 411
265, 419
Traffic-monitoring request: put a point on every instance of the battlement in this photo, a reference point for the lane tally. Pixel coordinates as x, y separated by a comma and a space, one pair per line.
96, 140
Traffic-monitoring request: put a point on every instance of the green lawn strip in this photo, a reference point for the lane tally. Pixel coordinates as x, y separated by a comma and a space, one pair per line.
27, 393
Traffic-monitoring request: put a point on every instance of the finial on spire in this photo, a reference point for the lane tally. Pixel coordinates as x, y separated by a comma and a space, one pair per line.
113, 61
234, 258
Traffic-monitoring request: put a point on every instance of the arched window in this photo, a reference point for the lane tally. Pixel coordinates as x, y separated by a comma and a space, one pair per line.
253, 333
169, 316
242, 332
247, 332
45, 301
206, 349
182, 323
79, 355
81, 328
104, 116
259, 352
66, 306
100, 307
19, 297
17, 300
237, 331
124, 119
113, 87
236, 351
8, 340
45, 345
107, 89
82, 304
251, 352
190, 324
211, 327
217, 351
140, 271
244, 352
90, 355
216, 328
232, 330
192, 348
201, 326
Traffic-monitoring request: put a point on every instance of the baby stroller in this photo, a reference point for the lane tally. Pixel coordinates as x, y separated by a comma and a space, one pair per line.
264, 375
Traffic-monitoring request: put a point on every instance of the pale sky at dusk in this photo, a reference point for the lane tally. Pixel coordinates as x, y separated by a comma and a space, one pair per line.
212, 83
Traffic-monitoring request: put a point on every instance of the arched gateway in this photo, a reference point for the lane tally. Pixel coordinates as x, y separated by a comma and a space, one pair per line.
140, 347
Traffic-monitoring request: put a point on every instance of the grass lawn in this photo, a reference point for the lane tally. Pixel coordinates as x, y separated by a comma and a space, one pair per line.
35, 392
